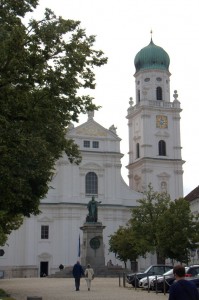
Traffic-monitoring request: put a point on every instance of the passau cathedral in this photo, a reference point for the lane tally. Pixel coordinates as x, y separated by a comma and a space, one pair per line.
54, 237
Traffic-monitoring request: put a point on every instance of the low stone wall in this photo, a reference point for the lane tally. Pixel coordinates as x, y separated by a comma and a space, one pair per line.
105, 271
20, 272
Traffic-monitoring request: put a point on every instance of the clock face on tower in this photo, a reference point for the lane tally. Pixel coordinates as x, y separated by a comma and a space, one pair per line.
161, 121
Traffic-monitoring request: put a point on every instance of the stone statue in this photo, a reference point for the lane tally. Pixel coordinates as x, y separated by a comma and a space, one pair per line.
92, 210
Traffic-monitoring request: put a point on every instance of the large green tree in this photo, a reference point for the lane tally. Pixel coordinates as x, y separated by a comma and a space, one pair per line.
144, 221
123, 245
158, 225
178, 231
45, 65
165, 227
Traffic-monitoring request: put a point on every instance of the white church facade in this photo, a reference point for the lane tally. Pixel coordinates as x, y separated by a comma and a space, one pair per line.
45, 241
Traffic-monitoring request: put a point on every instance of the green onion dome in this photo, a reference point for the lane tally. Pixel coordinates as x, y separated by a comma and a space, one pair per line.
152, 57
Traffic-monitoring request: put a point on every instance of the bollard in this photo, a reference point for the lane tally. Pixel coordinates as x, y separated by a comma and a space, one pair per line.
156, 284
124, 278
119, 280
164, 286
135, 281
34, 298
148, 284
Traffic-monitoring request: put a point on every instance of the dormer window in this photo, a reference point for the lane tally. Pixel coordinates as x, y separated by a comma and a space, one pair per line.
86, 144
95, 144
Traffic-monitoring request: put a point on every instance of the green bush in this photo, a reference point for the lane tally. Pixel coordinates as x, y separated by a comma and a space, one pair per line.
4, 295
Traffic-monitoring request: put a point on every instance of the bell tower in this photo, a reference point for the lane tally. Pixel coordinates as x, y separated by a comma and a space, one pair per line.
154, 126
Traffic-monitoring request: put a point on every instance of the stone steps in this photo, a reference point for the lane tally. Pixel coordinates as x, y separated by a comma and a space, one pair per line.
114, 271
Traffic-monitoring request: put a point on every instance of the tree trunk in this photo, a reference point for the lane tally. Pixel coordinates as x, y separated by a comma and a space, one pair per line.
160, 259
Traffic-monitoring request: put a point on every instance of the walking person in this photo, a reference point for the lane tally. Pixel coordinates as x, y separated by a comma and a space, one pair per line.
89, 275
78, 272
182, 289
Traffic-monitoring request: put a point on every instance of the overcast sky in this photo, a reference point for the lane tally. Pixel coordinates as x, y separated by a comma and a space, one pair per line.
122, 28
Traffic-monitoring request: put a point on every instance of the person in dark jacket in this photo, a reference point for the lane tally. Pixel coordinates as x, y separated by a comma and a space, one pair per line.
78, 272
182, 289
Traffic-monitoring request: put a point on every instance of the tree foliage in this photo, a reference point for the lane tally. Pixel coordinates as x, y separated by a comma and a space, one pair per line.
8, 223
145, 221
180, 229
44, 68
158, 225
123, 245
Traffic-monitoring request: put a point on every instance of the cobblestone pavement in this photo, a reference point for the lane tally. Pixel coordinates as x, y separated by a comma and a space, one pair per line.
63, 288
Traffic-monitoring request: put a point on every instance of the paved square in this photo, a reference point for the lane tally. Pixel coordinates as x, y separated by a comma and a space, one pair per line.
64, 288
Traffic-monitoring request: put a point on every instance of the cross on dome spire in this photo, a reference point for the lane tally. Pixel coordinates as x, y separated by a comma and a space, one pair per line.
151, 32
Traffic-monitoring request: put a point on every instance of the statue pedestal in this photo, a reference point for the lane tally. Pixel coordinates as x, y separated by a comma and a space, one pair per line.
92, 250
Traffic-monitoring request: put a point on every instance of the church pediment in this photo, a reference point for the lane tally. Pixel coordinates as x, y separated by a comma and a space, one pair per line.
93, 129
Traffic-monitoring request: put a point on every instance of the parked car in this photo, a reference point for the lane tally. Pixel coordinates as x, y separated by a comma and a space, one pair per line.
163, 283
145, 282
134, 278
192, 271
158, 283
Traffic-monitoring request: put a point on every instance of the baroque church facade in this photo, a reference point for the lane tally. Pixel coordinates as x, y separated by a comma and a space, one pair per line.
52, 238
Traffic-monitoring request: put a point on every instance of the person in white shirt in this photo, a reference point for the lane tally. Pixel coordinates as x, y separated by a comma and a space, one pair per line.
89, 275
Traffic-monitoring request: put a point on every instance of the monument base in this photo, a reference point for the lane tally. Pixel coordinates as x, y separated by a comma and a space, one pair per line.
92, 250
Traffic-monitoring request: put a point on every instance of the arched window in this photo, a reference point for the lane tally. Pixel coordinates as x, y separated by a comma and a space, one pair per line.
159, 93
162, 148
137, 150
91, 184
138, 95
